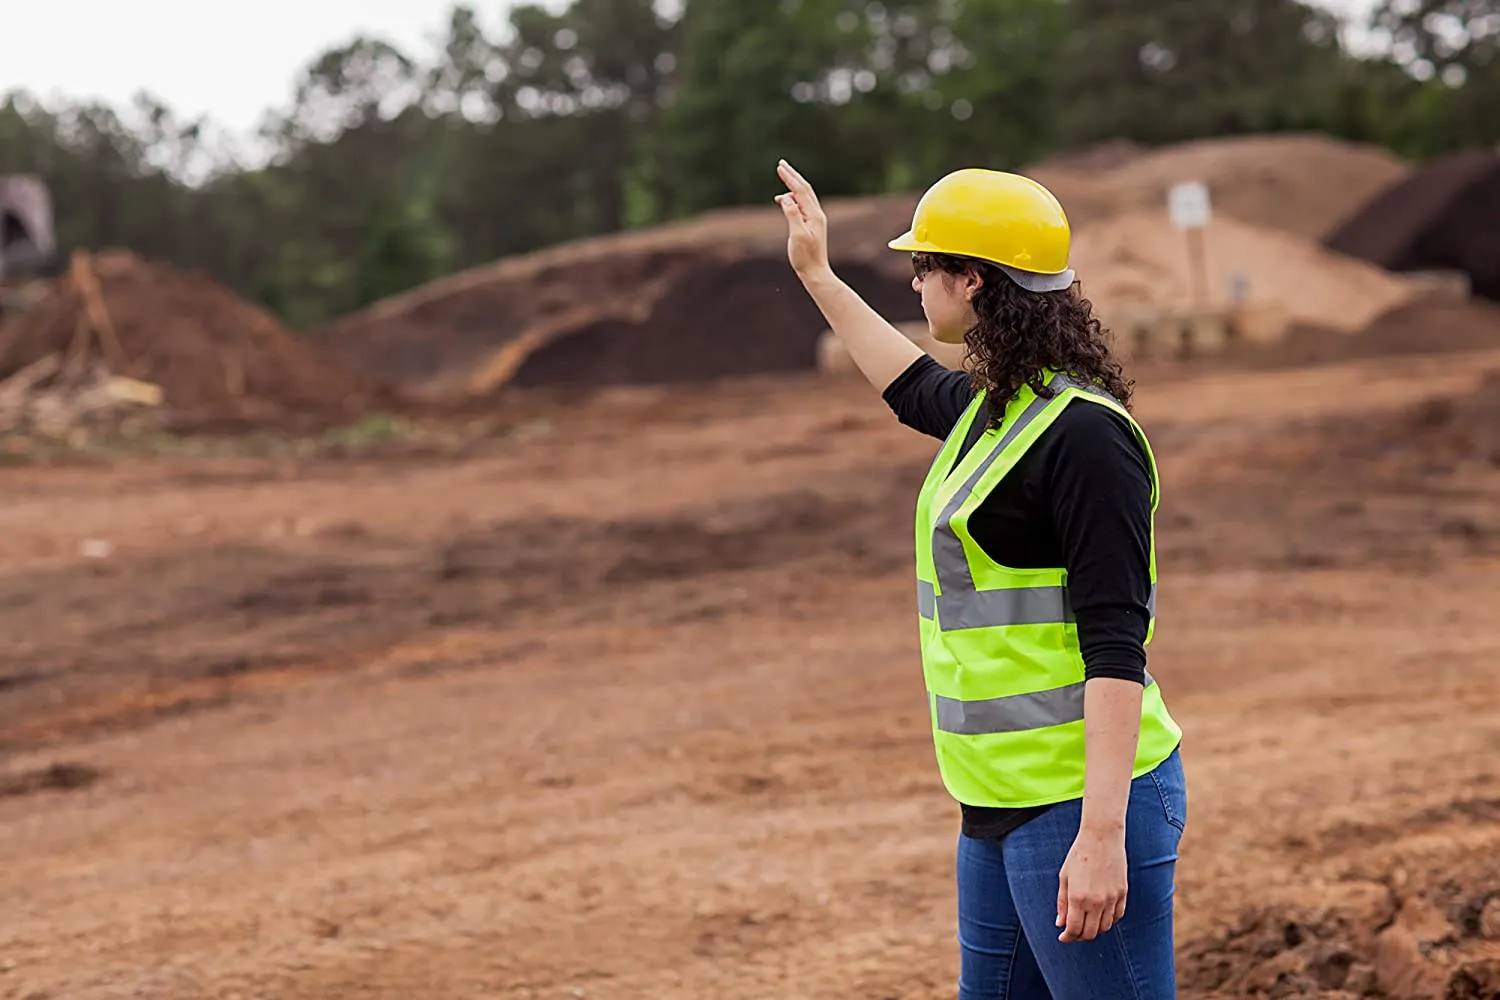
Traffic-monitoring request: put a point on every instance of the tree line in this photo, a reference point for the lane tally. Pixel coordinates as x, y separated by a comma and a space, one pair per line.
389, 170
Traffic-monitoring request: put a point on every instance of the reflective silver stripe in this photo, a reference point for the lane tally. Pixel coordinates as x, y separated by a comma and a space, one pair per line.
962, 604
1011, 606
926, 599
1016, 713
1014, 606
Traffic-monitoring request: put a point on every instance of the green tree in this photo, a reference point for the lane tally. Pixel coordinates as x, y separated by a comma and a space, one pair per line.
1453, 48
1162, 70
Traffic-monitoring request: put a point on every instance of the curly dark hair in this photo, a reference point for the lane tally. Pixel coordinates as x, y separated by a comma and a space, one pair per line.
1020, 332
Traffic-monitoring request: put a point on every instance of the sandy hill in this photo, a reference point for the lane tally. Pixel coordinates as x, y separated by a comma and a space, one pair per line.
1137, 262
1300, 183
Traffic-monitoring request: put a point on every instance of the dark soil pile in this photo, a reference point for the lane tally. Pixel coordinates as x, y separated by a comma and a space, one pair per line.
719, 320
216, 358
1439, 218
416, 341
431, 339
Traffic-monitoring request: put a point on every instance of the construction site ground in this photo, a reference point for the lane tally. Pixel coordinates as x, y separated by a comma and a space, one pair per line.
626, 703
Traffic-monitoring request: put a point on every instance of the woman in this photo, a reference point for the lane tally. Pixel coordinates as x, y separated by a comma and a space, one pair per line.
1036, 589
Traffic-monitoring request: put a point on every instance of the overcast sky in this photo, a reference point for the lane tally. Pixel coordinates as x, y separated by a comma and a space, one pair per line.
229, 61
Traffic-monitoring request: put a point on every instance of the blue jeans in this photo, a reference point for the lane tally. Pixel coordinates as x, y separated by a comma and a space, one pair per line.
1007, 905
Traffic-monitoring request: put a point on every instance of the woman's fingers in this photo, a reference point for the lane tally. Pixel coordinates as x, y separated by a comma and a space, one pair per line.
1086, 919
789, 174
798, 185
792, 210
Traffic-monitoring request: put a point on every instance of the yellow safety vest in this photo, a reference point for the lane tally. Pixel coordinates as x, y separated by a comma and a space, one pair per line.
999, 645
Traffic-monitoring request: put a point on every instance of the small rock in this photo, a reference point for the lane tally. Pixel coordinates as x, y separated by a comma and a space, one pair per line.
95, 548
1282, 975
1489, 919
1361, 980
7, 965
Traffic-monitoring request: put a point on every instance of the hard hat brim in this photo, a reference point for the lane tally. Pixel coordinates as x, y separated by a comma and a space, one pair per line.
1032, 281
908, 241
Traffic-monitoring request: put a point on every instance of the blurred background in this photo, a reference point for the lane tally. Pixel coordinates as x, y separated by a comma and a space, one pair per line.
445, 554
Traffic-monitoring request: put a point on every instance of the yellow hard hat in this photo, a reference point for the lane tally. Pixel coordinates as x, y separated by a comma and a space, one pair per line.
1002, 218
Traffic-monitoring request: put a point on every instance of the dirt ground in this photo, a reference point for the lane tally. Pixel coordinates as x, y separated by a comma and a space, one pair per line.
552, 717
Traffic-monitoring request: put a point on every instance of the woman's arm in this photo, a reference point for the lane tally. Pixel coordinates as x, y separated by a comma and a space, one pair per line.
1098, 488
928, 397
1111, 733
1094, 881
878, 349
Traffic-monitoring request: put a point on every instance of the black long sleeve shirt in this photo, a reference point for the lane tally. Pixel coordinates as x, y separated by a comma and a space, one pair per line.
1079, 498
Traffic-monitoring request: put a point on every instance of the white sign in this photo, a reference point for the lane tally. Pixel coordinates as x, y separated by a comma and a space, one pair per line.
1187, 203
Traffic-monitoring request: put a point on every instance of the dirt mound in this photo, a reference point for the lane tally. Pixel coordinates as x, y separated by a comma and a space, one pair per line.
433, 339
719, 320
426, 339
1438, 218
1303, 184
1139, 262
214, 356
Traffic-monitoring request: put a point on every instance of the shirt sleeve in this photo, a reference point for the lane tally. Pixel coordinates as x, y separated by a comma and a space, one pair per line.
1098, 486
928, 397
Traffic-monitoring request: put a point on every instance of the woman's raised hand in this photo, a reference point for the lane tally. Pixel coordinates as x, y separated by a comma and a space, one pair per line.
807, 225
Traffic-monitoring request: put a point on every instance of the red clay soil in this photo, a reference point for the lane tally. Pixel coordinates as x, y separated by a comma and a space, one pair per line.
396, 729
720, 320
1435, 436
1439, 218
216, 357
